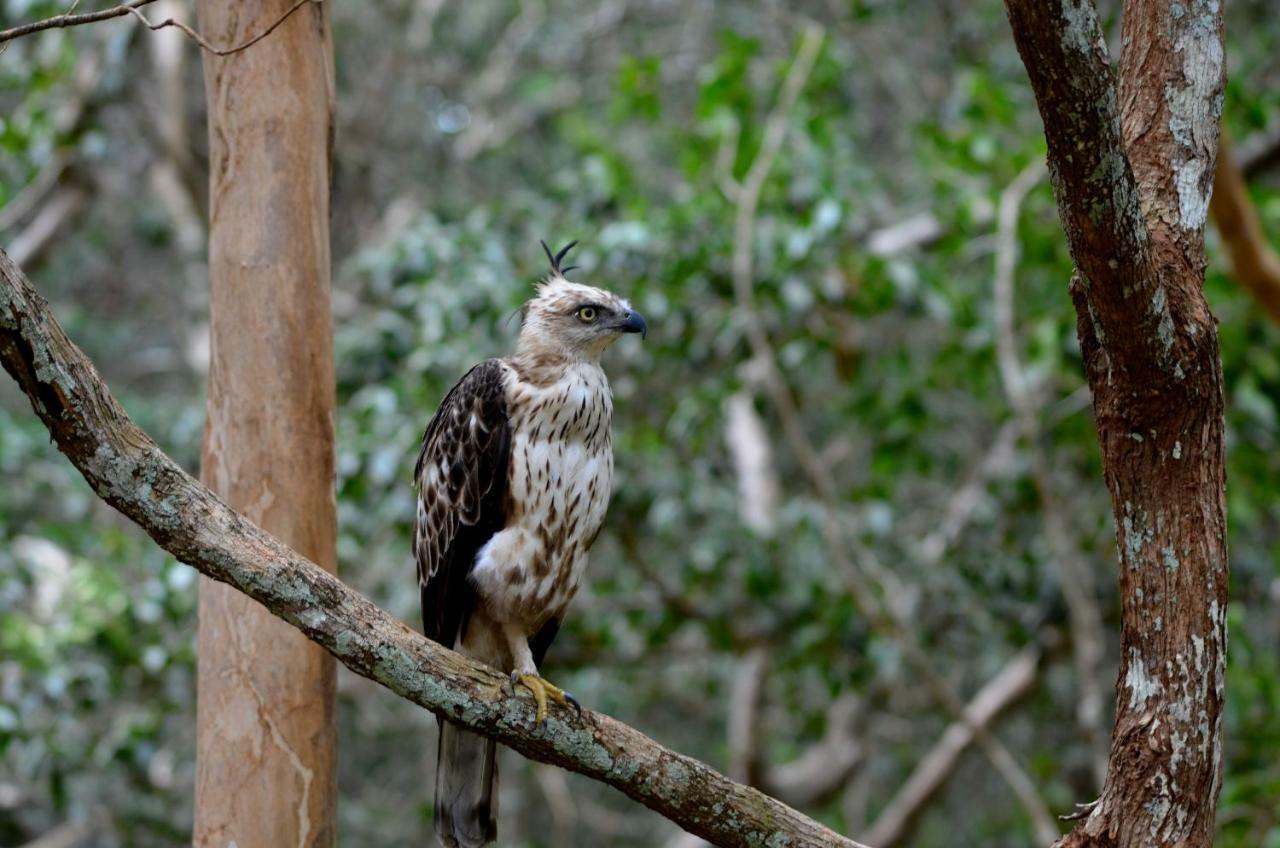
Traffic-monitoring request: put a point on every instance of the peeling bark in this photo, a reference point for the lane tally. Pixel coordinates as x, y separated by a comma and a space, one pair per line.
1132, 168
130, 472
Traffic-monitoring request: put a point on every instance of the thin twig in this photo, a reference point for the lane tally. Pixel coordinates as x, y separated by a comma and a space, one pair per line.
132, 8
68, 20
221, 51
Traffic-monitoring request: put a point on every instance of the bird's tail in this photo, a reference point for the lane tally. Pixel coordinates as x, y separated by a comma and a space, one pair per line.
466, 811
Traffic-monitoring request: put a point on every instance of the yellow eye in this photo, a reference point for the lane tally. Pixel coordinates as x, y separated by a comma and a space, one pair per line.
587, 314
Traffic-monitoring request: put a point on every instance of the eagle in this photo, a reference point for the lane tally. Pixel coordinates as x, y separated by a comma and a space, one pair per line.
513, 482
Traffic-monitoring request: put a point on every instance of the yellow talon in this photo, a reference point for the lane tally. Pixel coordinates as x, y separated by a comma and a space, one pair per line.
542, 690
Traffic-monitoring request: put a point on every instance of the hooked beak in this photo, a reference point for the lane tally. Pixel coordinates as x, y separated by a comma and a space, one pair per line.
634, 323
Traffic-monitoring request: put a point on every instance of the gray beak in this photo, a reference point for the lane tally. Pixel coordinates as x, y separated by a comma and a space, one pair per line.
634, 323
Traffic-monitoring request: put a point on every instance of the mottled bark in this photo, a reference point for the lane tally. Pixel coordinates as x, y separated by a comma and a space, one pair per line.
127, 470
1132, 168
266, 744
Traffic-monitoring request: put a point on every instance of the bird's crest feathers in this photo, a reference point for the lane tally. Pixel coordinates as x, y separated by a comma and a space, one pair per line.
556, 270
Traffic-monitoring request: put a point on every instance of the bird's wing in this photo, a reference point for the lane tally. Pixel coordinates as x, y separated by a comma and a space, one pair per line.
462, 483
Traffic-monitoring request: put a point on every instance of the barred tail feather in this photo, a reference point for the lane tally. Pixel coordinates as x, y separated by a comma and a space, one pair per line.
466, 804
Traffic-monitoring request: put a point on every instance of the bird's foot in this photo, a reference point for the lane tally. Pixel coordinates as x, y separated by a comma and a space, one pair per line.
542, 690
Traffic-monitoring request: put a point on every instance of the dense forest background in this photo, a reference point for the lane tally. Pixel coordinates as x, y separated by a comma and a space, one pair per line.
716, 617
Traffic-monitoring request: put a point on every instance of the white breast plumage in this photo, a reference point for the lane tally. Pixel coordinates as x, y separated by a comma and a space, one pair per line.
559, 480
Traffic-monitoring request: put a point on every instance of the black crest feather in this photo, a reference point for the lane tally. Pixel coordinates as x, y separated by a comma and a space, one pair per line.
555, 259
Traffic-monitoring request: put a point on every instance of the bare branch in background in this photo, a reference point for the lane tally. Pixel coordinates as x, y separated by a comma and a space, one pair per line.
487, 131
53, 198
1254, 262
918, 231
67, 835
130, 472
748, 444
884, 617
1260, 152
491, 127
564, 811
173, 173
825, 766
1013, 681
53, 215
1075, 577
33, 193
964, 502
422, 24
746, 702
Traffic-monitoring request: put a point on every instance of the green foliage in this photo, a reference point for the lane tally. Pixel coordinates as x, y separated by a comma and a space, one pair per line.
890, 358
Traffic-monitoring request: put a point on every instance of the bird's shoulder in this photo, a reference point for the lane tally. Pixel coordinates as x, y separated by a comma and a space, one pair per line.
473, 409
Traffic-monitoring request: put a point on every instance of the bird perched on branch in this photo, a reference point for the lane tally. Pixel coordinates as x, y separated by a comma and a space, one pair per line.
514, 479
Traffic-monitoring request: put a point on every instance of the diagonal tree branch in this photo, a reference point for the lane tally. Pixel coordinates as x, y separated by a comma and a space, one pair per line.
900, 814
130, 472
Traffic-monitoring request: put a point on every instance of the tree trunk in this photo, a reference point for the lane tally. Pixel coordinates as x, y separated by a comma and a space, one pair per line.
266, 739
1132, 167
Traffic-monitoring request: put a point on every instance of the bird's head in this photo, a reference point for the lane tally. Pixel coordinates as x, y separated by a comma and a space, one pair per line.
574, 320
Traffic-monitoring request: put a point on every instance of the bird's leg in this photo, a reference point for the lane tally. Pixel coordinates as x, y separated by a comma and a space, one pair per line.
526, 674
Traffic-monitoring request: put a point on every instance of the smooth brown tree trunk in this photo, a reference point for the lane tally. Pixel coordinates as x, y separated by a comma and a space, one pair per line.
1132, 159
266, 746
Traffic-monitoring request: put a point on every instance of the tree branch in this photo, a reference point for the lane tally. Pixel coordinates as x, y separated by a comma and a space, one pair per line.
132, 8
1253, 261
1260, 152
221, 51
825, 766
130, 472
60, 207
70, 20
1013, 681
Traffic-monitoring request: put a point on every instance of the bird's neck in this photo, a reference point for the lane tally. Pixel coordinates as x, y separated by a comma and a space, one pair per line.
534, 348
543, 367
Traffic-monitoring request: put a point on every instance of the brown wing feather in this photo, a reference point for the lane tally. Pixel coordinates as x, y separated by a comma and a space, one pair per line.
462, 482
